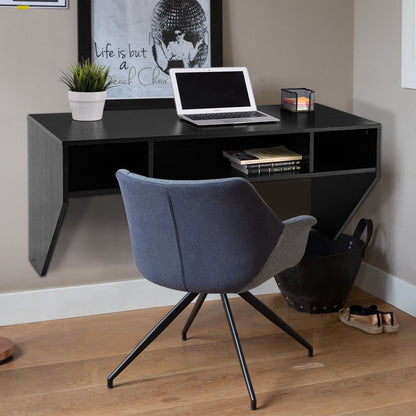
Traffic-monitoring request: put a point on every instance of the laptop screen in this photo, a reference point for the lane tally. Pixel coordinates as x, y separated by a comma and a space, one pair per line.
212, 89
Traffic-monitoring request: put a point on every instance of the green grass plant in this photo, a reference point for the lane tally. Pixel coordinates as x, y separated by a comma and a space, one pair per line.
87, 77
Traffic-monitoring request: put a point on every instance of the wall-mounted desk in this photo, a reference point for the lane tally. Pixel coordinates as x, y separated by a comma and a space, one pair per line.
69, 159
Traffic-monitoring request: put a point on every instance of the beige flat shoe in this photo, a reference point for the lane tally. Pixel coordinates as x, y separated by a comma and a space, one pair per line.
390, 324
361, 318
388, 320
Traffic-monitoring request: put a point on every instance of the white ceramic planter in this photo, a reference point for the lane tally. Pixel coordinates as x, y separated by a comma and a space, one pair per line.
87, 106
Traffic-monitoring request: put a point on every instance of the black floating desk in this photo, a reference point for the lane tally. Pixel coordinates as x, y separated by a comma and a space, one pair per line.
70, 159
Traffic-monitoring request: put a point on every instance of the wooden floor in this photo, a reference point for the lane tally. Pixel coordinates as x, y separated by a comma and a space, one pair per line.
60, 367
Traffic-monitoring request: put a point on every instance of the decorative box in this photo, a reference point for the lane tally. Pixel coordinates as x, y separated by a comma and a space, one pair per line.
297, 99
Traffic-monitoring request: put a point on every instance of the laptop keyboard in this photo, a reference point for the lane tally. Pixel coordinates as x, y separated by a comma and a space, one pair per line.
219, 116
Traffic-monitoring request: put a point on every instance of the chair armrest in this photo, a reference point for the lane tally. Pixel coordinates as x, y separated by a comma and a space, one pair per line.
288, 251
293, 241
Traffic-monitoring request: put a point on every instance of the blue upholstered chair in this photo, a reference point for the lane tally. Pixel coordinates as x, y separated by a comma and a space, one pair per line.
208, 236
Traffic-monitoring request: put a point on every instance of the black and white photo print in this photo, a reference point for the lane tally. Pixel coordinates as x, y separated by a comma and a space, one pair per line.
180, 34
142, 39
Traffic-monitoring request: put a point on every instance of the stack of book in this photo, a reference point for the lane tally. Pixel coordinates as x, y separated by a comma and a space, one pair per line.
264, 160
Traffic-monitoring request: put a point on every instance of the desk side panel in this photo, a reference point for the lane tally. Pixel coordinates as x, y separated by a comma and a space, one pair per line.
336, 198
46, 194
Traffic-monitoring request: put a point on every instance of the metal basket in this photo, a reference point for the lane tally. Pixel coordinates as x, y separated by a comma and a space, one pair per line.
323, 279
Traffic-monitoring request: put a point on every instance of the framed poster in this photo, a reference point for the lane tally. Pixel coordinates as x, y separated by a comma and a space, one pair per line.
140, 40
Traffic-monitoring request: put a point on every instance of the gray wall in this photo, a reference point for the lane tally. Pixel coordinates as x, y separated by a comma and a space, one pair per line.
378, 95
283, 43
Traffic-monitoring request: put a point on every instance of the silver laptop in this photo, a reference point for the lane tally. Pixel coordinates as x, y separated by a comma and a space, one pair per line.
212, 96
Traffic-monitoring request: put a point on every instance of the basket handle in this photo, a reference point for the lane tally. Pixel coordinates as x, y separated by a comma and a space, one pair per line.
359, 229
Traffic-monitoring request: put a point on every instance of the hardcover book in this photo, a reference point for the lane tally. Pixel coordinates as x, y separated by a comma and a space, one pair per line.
262, 155
261, 170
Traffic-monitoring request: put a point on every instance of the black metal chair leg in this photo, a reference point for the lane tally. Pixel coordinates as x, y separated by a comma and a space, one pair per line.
239, 351
269, 314
193, 314
152, 335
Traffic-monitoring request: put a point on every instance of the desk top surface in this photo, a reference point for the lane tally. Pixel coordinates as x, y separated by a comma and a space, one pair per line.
159, 124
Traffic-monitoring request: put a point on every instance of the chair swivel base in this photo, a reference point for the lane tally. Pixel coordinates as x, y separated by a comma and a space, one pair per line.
182, 304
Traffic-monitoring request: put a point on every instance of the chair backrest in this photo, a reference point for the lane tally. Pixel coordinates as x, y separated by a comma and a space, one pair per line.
206, 236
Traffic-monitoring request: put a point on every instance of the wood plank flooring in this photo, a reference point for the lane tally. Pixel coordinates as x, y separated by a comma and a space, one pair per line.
60, 367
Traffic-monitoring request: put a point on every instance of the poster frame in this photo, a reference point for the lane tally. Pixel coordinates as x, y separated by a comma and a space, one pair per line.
85, 52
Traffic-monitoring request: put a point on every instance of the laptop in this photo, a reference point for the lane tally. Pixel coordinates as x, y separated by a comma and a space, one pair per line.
215, 96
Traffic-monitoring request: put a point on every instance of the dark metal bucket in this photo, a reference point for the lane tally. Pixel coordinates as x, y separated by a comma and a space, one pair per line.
323, 279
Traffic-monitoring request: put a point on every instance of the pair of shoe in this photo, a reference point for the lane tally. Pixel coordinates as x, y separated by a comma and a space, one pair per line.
369, 319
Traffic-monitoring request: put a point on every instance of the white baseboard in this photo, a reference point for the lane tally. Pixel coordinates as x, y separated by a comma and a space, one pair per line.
391, 289
76, 301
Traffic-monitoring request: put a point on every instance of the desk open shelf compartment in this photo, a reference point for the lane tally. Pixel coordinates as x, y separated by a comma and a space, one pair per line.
92, 167
203, 159
345, 150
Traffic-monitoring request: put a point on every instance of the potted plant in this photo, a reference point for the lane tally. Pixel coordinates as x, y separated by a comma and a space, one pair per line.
87, 83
